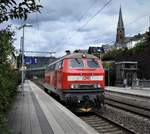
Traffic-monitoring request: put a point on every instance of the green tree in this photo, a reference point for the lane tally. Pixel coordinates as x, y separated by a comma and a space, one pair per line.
6, 47
10, 9
9, 78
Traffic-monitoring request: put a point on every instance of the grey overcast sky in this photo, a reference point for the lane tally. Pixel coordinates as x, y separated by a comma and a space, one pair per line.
55, 29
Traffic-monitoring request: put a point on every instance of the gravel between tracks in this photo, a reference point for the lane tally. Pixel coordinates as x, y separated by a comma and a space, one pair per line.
137, 123
102, 125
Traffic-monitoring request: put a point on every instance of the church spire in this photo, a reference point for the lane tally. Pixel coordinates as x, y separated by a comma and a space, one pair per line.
120, 21
120, 36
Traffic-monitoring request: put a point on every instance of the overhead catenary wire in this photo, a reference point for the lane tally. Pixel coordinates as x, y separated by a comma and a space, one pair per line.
88, 9
99, 11
132, 22
86, 23
84, 14
138, 18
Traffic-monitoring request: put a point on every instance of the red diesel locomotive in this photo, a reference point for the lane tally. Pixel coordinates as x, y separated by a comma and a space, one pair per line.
78, 80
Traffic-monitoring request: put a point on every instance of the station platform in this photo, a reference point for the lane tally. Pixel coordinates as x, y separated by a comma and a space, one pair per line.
38, 113
128, 90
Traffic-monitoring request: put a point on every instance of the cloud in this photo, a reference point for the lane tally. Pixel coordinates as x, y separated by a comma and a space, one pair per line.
56, 28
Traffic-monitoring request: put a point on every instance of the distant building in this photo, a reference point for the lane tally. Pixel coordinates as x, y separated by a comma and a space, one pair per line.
96, 51
81, 51
132, 41
107, 47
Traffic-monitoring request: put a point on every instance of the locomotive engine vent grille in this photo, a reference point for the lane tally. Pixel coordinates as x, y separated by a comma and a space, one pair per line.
86, 86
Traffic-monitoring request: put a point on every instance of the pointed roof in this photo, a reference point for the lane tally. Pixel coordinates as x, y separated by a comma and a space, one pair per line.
120, 21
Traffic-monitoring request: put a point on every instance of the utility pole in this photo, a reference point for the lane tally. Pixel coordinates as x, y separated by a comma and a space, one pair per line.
22, 76
22, 54
108, 75
149, 24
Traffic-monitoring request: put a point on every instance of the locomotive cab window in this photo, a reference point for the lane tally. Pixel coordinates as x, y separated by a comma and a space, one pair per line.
76, 63
92, 63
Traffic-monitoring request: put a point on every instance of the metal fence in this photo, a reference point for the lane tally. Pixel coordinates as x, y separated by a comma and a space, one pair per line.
141, 83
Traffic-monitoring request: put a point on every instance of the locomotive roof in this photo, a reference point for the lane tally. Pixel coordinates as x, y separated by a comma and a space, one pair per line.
74, 55
79, 55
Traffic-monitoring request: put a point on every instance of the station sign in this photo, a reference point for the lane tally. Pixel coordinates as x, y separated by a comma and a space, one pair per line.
30, 60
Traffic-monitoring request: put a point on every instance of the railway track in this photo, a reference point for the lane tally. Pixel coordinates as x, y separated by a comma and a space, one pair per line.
103, 125
129, 102
124, 114
133, 111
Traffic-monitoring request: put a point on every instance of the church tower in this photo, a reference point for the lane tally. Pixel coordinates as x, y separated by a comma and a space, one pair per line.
120, 36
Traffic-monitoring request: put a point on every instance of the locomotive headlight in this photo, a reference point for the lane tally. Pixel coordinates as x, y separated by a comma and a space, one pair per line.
98, 85
72, 86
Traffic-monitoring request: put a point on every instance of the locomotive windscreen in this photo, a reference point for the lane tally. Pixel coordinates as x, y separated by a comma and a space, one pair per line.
76, 63
92, 63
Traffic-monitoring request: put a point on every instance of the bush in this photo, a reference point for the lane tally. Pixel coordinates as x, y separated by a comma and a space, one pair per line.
9, 80
9, 9
8, 77
140, 53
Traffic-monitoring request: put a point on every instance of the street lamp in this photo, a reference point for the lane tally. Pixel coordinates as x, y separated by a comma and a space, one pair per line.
22, 52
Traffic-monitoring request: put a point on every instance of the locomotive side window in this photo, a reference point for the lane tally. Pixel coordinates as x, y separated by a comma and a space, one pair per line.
76, 63
59, 64
92, 63
52, 67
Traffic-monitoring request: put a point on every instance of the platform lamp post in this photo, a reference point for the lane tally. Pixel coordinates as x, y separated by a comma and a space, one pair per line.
22, 55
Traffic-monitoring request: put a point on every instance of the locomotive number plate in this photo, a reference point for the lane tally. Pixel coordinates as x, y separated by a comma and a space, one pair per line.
86, 77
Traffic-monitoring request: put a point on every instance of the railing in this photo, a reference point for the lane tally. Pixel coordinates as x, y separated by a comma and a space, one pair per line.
141, 83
